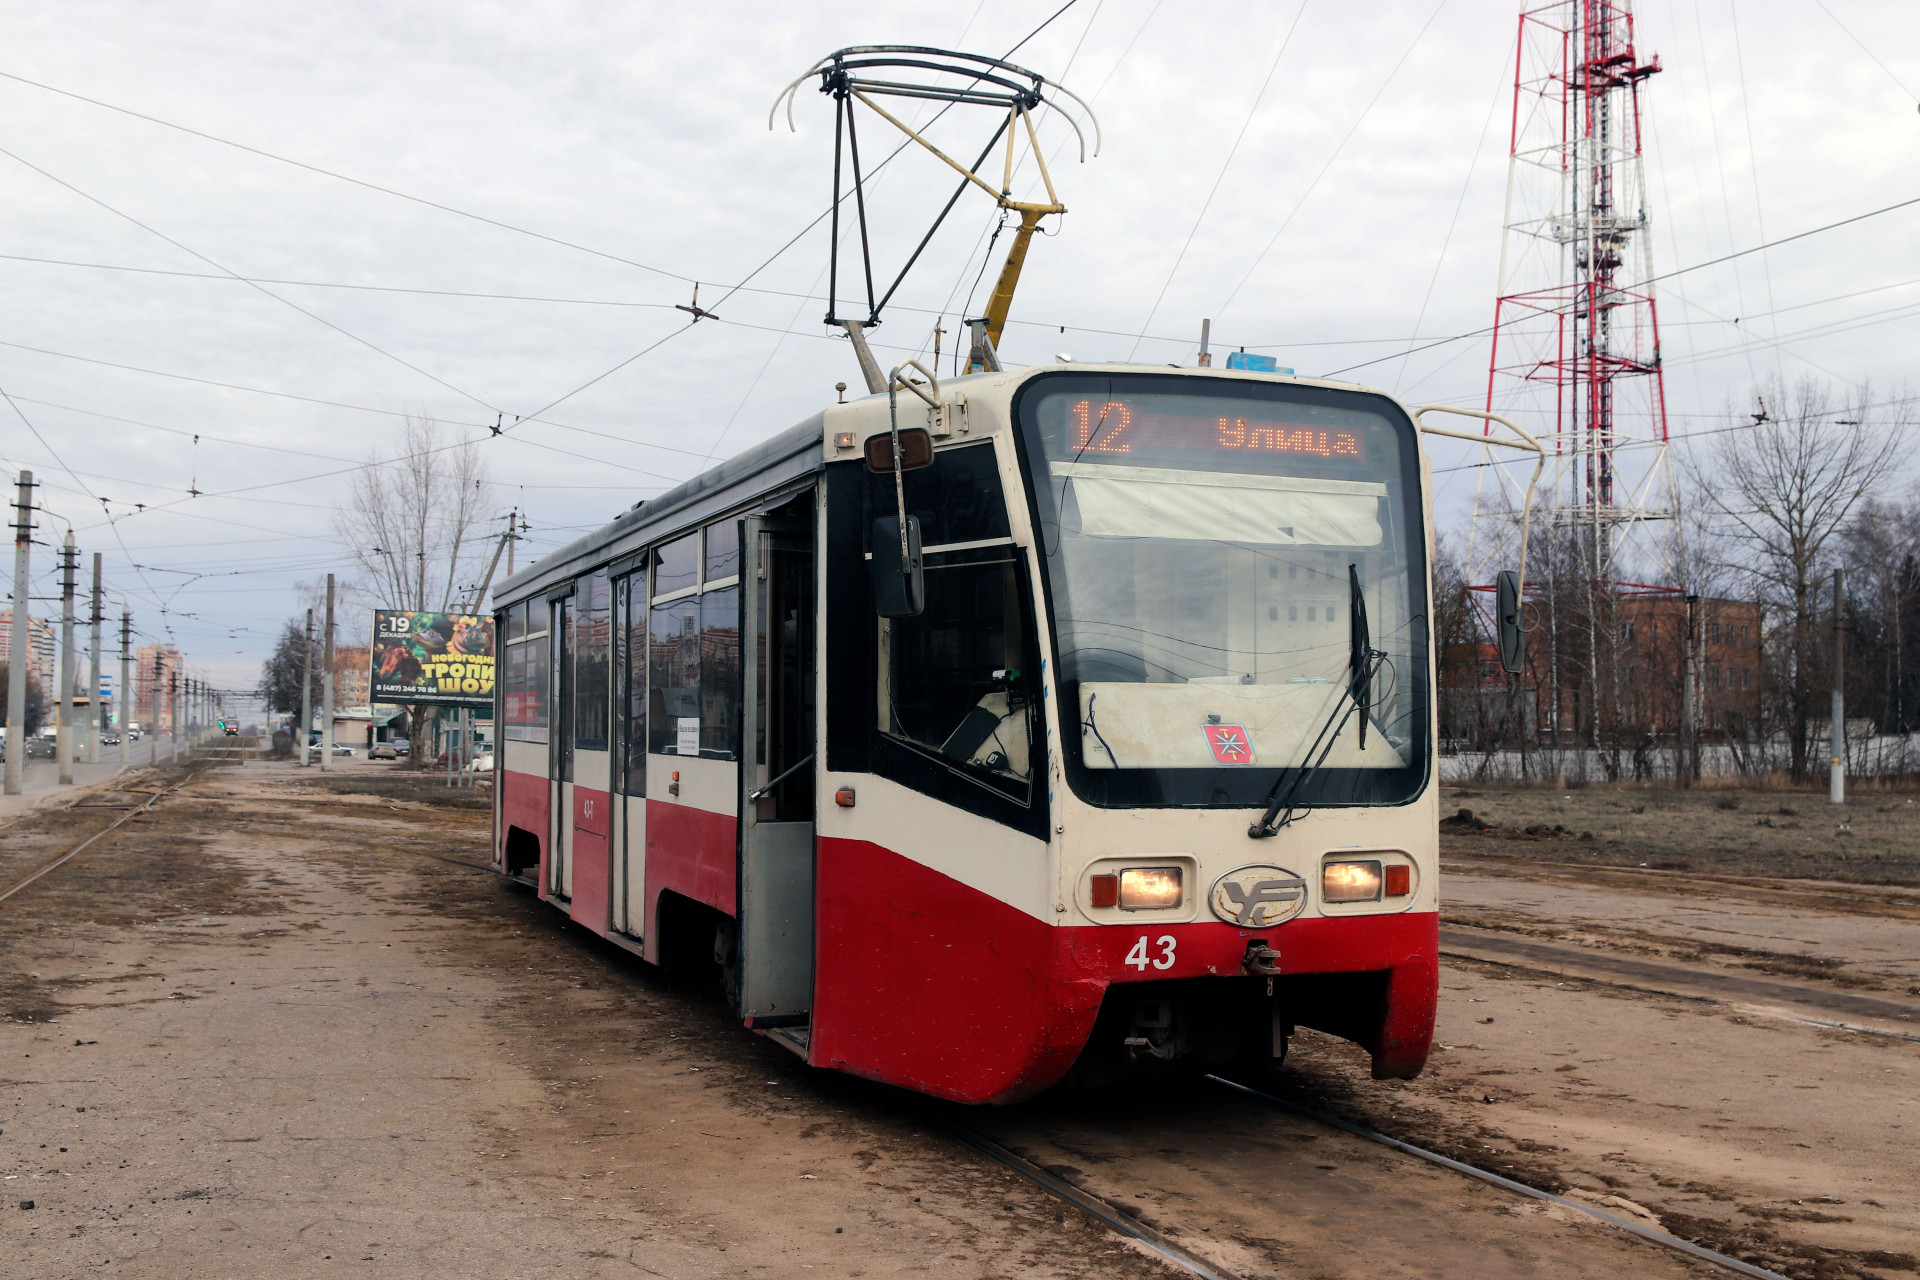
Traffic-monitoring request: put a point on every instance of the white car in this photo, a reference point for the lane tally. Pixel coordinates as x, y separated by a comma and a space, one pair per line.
482, 763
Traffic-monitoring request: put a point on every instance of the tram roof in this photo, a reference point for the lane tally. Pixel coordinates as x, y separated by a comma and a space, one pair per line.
793, 453
787, 456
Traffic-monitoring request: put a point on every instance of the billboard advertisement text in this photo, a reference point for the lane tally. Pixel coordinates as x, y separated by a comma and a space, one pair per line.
435, 659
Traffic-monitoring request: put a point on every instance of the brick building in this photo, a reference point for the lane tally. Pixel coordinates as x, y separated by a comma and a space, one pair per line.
1639, 660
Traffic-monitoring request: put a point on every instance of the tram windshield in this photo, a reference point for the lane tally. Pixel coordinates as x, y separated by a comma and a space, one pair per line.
1202, 540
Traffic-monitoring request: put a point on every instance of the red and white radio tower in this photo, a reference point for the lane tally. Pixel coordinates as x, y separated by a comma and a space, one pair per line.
1576, 342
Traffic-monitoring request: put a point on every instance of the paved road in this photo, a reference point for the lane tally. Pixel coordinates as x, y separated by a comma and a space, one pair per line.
40, 781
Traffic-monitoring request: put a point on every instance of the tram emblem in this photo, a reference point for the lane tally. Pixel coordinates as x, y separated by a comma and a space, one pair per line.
1230, 743
1258, 896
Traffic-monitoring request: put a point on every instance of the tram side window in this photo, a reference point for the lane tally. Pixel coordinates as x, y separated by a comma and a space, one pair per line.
951, 681
723, 551
528, 670
694, 668
676, 565
592, 653
720, 673
673, 678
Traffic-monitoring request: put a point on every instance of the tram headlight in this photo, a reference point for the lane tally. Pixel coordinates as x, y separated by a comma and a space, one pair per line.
1350, 882
1150, 888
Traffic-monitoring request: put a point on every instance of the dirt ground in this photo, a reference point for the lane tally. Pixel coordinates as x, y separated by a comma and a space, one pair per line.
1873, 839
271, 1030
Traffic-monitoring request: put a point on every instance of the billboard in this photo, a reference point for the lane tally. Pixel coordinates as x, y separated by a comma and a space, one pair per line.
436, 659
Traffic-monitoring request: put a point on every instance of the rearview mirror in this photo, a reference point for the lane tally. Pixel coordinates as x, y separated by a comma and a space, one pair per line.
1507, 621
916, 451
899, 587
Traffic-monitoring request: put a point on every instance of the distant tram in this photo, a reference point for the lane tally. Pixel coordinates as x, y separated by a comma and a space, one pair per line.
1115, 753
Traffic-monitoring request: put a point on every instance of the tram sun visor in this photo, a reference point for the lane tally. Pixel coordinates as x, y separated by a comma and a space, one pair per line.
1279, 709
1214, 506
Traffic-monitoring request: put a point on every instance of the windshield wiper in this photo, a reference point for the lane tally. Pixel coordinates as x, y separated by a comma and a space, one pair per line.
1363, 664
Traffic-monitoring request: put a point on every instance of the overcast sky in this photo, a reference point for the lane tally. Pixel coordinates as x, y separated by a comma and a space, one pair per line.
1361, 211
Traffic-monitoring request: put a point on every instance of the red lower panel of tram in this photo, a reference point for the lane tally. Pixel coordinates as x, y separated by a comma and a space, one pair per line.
923, 982
691, 852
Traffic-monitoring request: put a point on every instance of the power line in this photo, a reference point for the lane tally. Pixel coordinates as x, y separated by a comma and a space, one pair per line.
1665, 275
1285, 42
342, 177
236, 276
1341, 146
1869, 52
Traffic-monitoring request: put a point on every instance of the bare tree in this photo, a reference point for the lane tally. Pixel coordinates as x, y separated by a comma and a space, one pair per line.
413, 527
1781, 490
1882, 551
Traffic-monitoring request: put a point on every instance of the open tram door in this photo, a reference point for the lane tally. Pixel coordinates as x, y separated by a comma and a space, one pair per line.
774, 969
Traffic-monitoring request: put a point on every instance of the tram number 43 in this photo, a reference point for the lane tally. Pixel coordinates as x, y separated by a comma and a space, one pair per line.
1139, 958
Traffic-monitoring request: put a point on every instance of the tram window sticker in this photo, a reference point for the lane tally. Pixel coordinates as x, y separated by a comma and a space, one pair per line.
435, 659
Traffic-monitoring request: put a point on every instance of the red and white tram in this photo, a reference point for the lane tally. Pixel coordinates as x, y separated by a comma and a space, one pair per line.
1128, 761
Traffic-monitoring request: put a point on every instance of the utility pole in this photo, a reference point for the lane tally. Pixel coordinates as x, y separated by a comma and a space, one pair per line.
123, 693
173, 716
153, 711
1686, 770
95, 708
1837, 768
18, 640
306, 692
63, 727
326, 686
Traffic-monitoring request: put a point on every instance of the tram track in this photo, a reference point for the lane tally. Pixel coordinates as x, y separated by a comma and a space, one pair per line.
111, 827
1742, 992
1126, 1220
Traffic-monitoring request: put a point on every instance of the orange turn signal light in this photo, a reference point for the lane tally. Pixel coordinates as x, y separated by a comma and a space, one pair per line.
1399, 880
1104, 891
844, 797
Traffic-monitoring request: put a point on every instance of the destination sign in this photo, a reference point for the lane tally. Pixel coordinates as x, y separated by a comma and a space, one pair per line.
1121, 426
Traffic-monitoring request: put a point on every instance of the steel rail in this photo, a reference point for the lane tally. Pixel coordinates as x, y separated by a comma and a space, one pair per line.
1091, 1204
1484, 1175
75, 852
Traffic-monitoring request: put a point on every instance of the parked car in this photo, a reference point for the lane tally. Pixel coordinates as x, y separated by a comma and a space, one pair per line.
383, 751
482, 763
401, 745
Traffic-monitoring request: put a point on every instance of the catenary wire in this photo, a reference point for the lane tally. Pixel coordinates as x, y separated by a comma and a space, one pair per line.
1338, 148
1286, 42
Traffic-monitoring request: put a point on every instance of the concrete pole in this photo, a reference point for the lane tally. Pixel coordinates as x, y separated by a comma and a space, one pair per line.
95, 707
173, 717
306, 693
18, 641
326, 685
63, 727
1837, 766
123, 693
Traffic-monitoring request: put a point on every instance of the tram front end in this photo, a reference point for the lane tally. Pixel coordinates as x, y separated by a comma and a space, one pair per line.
1134, 746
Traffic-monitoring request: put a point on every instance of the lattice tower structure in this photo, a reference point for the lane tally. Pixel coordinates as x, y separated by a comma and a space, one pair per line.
1576, 338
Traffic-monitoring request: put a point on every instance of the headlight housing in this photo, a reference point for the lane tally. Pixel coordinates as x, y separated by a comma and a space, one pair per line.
1356, 881
1150, 888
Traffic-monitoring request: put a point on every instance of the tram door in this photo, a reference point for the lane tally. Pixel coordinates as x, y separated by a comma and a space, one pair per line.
776, 786
560, 756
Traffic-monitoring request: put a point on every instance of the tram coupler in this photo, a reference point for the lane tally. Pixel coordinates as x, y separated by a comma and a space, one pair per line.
1261, 959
